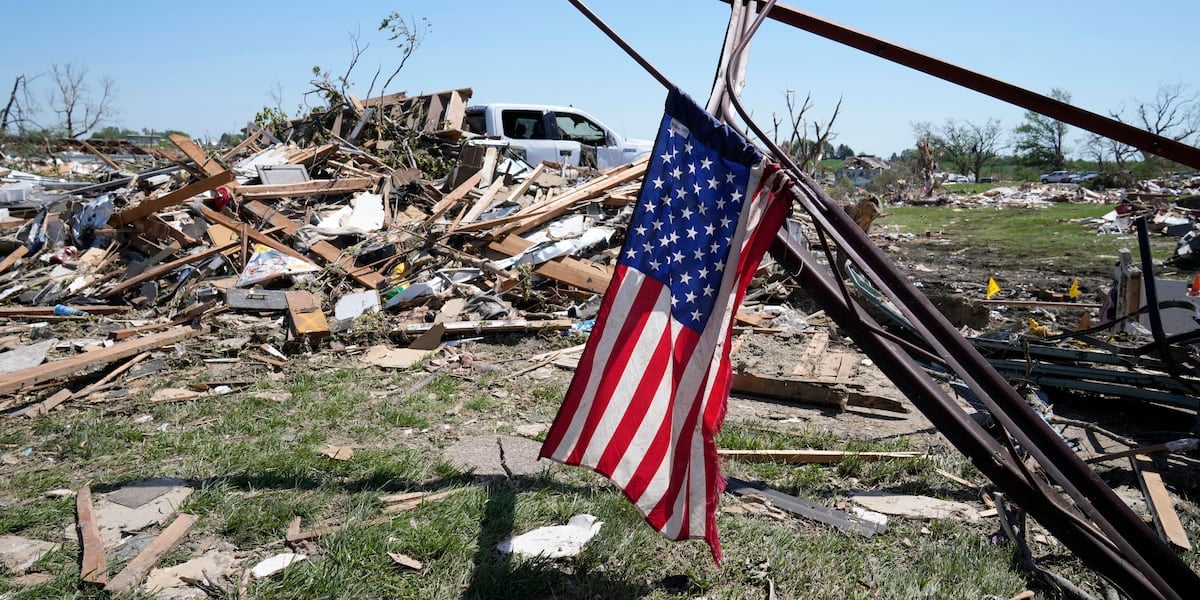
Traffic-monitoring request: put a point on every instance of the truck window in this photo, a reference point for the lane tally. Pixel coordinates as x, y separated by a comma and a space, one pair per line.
523, 124
575, 128
476, 122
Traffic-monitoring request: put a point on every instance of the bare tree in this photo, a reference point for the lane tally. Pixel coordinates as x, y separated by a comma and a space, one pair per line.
1102, 149
19, 106
1174, 113
806, 151
78, 109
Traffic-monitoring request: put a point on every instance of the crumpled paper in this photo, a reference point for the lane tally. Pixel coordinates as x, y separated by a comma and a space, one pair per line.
555, 541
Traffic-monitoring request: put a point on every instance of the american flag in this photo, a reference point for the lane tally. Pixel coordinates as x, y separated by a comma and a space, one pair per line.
649, 394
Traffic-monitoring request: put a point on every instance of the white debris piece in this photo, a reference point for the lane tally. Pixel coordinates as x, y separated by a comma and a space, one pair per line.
275, 564
555, 541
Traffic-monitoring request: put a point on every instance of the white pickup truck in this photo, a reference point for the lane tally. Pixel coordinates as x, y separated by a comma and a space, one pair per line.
555, 133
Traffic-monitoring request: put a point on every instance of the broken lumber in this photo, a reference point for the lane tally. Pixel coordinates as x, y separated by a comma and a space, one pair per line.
789, 389
197, 155
179, 196
92, 565
813, 456
17, 380
140, 566
316, 187
164, 269
453, 197
577, 272
47, 311
501, 326
1166, 520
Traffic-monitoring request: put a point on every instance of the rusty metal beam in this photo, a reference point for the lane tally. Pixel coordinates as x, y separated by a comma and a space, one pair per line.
1072, 115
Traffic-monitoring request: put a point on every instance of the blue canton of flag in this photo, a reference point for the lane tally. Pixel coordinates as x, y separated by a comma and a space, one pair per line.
682, 228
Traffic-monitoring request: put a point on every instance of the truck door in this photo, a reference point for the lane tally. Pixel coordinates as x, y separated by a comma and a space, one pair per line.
527, 130
597, 145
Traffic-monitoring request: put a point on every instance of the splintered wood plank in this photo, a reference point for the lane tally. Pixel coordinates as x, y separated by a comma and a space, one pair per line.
16, 380
316, 187
308, 321
92, 568
1162, 509
813, 456
789, 389
449, 200
816, 347
183, 194
196, 154
164, 269
140, 566
577, 272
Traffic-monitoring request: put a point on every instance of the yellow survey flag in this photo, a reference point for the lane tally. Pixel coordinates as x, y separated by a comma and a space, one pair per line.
993, 288
1073, 293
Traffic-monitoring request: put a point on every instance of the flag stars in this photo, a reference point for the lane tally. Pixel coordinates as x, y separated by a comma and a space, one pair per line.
641, 230
696, 188
708, 290
703, 273
658, 183
725, 222
691, 298
720, 204
631, 253
677, 257
680, 193
686, 213
736, 196
699, 254
687, 147
696, 315
729, 177
685, 278
691, 233
706, 163
712, 183
657, 225
676, 173
710, 230
691, 168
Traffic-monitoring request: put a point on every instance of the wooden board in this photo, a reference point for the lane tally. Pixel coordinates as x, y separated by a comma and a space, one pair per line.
16, 380
1162, 509
789, 389
816, 347
196, 154
812, 456
140, 566
164, 269
316, 187
93, 567
308, 321
577, 272
179, 196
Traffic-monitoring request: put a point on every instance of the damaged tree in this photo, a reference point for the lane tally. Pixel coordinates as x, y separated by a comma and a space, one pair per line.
807, 151
79, 110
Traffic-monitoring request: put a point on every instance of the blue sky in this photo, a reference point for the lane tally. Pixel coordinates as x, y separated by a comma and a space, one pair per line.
206, 68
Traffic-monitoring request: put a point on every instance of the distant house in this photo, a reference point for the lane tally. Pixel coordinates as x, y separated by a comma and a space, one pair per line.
860, 170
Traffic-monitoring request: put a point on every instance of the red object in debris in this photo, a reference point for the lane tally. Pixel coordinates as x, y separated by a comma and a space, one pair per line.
222, 198
1194, 289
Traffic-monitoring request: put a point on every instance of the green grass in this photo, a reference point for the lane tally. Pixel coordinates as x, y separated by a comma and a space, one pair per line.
253, 459
1043, 236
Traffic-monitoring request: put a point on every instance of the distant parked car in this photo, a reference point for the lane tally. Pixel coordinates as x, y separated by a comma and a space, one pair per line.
1056, 177
987, 179
1082, 177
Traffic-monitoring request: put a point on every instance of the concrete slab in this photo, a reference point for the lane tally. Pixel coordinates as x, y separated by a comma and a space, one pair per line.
489, 456
18, 554
116, 520
138, 493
